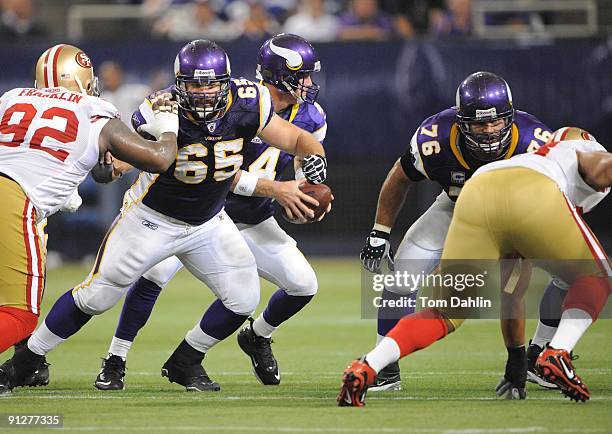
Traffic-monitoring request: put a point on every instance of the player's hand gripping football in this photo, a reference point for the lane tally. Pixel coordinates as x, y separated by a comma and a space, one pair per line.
376, 250
294, 201
165, 114
314, 167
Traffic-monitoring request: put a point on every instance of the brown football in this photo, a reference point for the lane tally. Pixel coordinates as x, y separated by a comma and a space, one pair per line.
322, 193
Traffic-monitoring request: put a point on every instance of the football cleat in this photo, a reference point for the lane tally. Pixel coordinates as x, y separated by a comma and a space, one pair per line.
259, 350
111, 374
357, 377
194, 377
5, 382
387, 379
556, 366
40, 377
533, 351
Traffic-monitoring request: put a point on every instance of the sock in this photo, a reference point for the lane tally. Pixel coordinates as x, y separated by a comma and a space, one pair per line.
65, 318
574, 322
262, 328
543, 334
379, 338
186, 355
137, 309
418, 330
43, 340
385, 353
16, 325
119, 347
283, 306
217, 324
388, 317
550, 305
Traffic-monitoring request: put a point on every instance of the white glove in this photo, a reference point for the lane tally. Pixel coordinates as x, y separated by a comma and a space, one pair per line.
165, 116
73, 203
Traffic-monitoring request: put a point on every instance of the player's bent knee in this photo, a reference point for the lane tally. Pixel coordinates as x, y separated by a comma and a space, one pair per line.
97, 299
243, 297
303, 283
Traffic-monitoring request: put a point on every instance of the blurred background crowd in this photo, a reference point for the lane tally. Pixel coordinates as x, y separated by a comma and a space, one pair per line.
386, 66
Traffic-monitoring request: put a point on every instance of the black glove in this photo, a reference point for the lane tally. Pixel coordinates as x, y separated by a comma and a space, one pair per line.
377, 248
103, 172
314, 167
512, 384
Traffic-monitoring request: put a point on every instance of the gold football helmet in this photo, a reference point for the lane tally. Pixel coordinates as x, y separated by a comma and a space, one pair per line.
66, 66
571, 133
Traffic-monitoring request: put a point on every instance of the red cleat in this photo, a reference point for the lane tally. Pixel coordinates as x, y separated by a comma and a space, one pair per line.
556, 367
358, 376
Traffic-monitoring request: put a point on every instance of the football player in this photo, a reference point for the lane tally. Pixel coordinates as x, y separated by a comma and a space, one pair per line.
285, 65
446, 148
51, 136
495, 217
180, 212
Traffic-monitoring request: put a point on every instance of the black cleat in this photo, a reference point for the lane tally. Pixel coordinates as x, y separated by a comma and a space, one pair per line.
40, 377
533, 351
112, 373
184, 367
259, 350
387, 379
5, 382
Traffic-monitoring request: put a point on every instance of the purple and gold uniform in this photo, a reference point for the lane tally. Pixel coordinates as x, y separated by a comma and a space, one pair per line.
435, 151
194, 188
268, 162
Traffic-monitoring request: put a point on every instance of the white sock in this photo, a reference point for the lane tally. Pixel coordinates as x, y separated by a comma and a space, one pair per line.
386, 352
543, 334
379, 338
574, 322
262, 328
200, 340
43, 340
119, 347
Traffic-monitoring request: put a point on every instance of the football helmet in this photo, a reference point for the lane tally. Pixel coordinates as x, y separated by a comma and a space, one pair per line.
571, 133
284, 60
66, 66
203, 63
485, 97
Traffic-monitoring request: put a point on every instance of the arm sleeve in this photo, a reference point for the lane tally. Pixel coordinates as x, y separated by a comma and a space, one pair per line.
411, 161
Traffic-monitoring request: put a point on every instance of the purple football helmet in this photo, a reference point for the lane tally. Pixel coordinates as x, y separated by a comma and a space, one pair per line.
284, 60
485, 97
203, 63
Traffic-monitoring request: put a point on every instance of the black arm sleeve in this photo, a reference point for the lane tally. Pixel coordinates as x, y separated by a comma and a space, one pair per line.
407, 162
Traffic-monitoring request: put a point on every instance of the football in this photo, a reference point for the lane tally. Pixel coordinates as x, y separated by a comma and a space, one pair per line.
322, 193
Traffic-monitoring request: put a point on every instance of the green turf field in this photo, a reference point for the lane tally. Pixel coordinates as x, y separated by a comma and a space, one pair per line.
448, 388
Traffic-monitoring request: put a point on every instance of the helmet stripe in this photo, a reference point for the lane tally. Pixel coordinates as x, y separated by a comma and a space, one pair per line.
58, 49
46, 62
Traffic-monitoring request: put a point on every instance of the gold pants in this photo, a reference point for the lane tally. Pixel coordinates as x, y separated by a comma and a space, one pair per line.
520, 212
22, 250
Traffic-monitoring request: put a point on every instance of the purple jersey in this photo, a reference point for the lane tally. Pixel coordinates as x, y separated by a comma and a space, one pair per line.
435, 151
268, 162
194, 188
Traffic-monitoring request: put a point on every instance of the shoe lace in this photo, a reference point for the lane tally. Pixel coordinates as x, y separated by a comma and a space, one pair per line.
264, 349
114, 367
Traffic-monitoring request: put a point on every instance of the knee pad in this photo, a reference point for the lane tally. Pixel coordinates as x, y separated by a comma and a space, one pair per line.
588, 293
97, 297
243, 297
303, 282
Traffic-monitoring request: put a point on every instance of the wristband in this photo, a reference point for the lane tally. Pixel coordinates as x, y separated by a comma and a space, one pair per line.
382, 228
299, 174
246, 184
